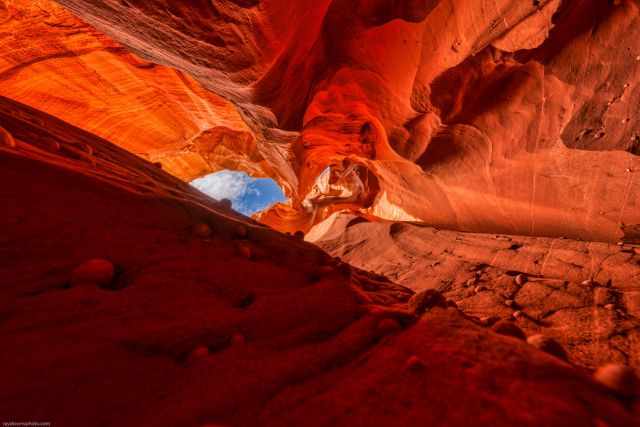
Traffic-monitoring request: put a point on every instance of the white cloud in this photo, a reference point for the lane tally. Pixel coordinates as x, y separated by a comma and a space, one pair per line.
224, 185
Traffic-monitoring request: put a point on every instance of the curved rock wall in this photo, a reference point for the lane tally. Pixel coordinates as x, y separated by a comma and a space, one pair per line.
53, 61
495, 115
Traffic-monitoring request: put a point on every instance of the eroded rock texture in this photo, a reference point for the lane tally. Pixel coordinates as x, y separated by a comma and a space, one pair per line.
128, 298
213, 319
586, 295
495, 116
53, 61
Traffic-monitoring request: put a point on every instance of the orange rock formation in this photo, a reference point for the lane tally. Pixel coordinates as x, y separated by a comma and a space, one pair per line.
494, 116
53, 61
482, 155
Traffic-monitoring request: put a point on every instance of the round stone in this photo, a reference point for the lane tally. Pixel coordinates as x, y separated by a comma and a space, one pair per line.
246, 251
618, 378
97, 271
202, 229
225, 204
548, 345
423, 301
504, 327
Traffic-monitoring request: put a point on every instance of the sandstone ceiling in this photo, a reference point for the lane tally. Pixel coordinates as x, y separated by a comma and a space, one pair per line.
53, 61
494, 115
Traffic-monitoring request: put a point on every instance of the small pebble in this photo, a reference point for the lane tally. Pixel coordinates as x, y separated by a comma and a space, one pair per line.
480, 288
414, 363
425, 300
548, 345
509, 303
505, 327
97, 271
225, 204
246, 251
520, 279
202, 229
388, 326
471, 282
610, 307
618, 378
588, 282
518, 314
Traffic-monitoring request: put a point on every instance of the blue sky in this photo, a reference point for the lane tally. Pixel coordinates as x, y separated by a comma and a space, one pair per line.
248, 195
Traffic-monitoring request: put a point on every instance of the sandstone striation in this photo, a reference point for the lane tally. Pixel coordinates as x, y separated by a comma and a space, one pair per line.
500, 116
53, 61
462, 242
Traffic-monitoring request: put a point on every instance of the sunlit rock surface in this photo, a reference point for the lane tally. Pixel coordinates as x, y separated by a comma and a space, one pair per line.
586, 295
503, 133
53, 61
495, 116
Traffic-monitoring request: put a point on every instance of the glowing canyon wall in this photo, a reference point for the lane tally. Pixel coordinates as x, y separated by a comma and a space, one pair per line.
53, 61
129, 298
494, 115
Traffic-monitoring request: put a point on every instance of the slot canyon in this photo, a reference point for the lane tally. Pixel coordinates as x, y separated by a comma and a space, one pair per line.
456, 243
